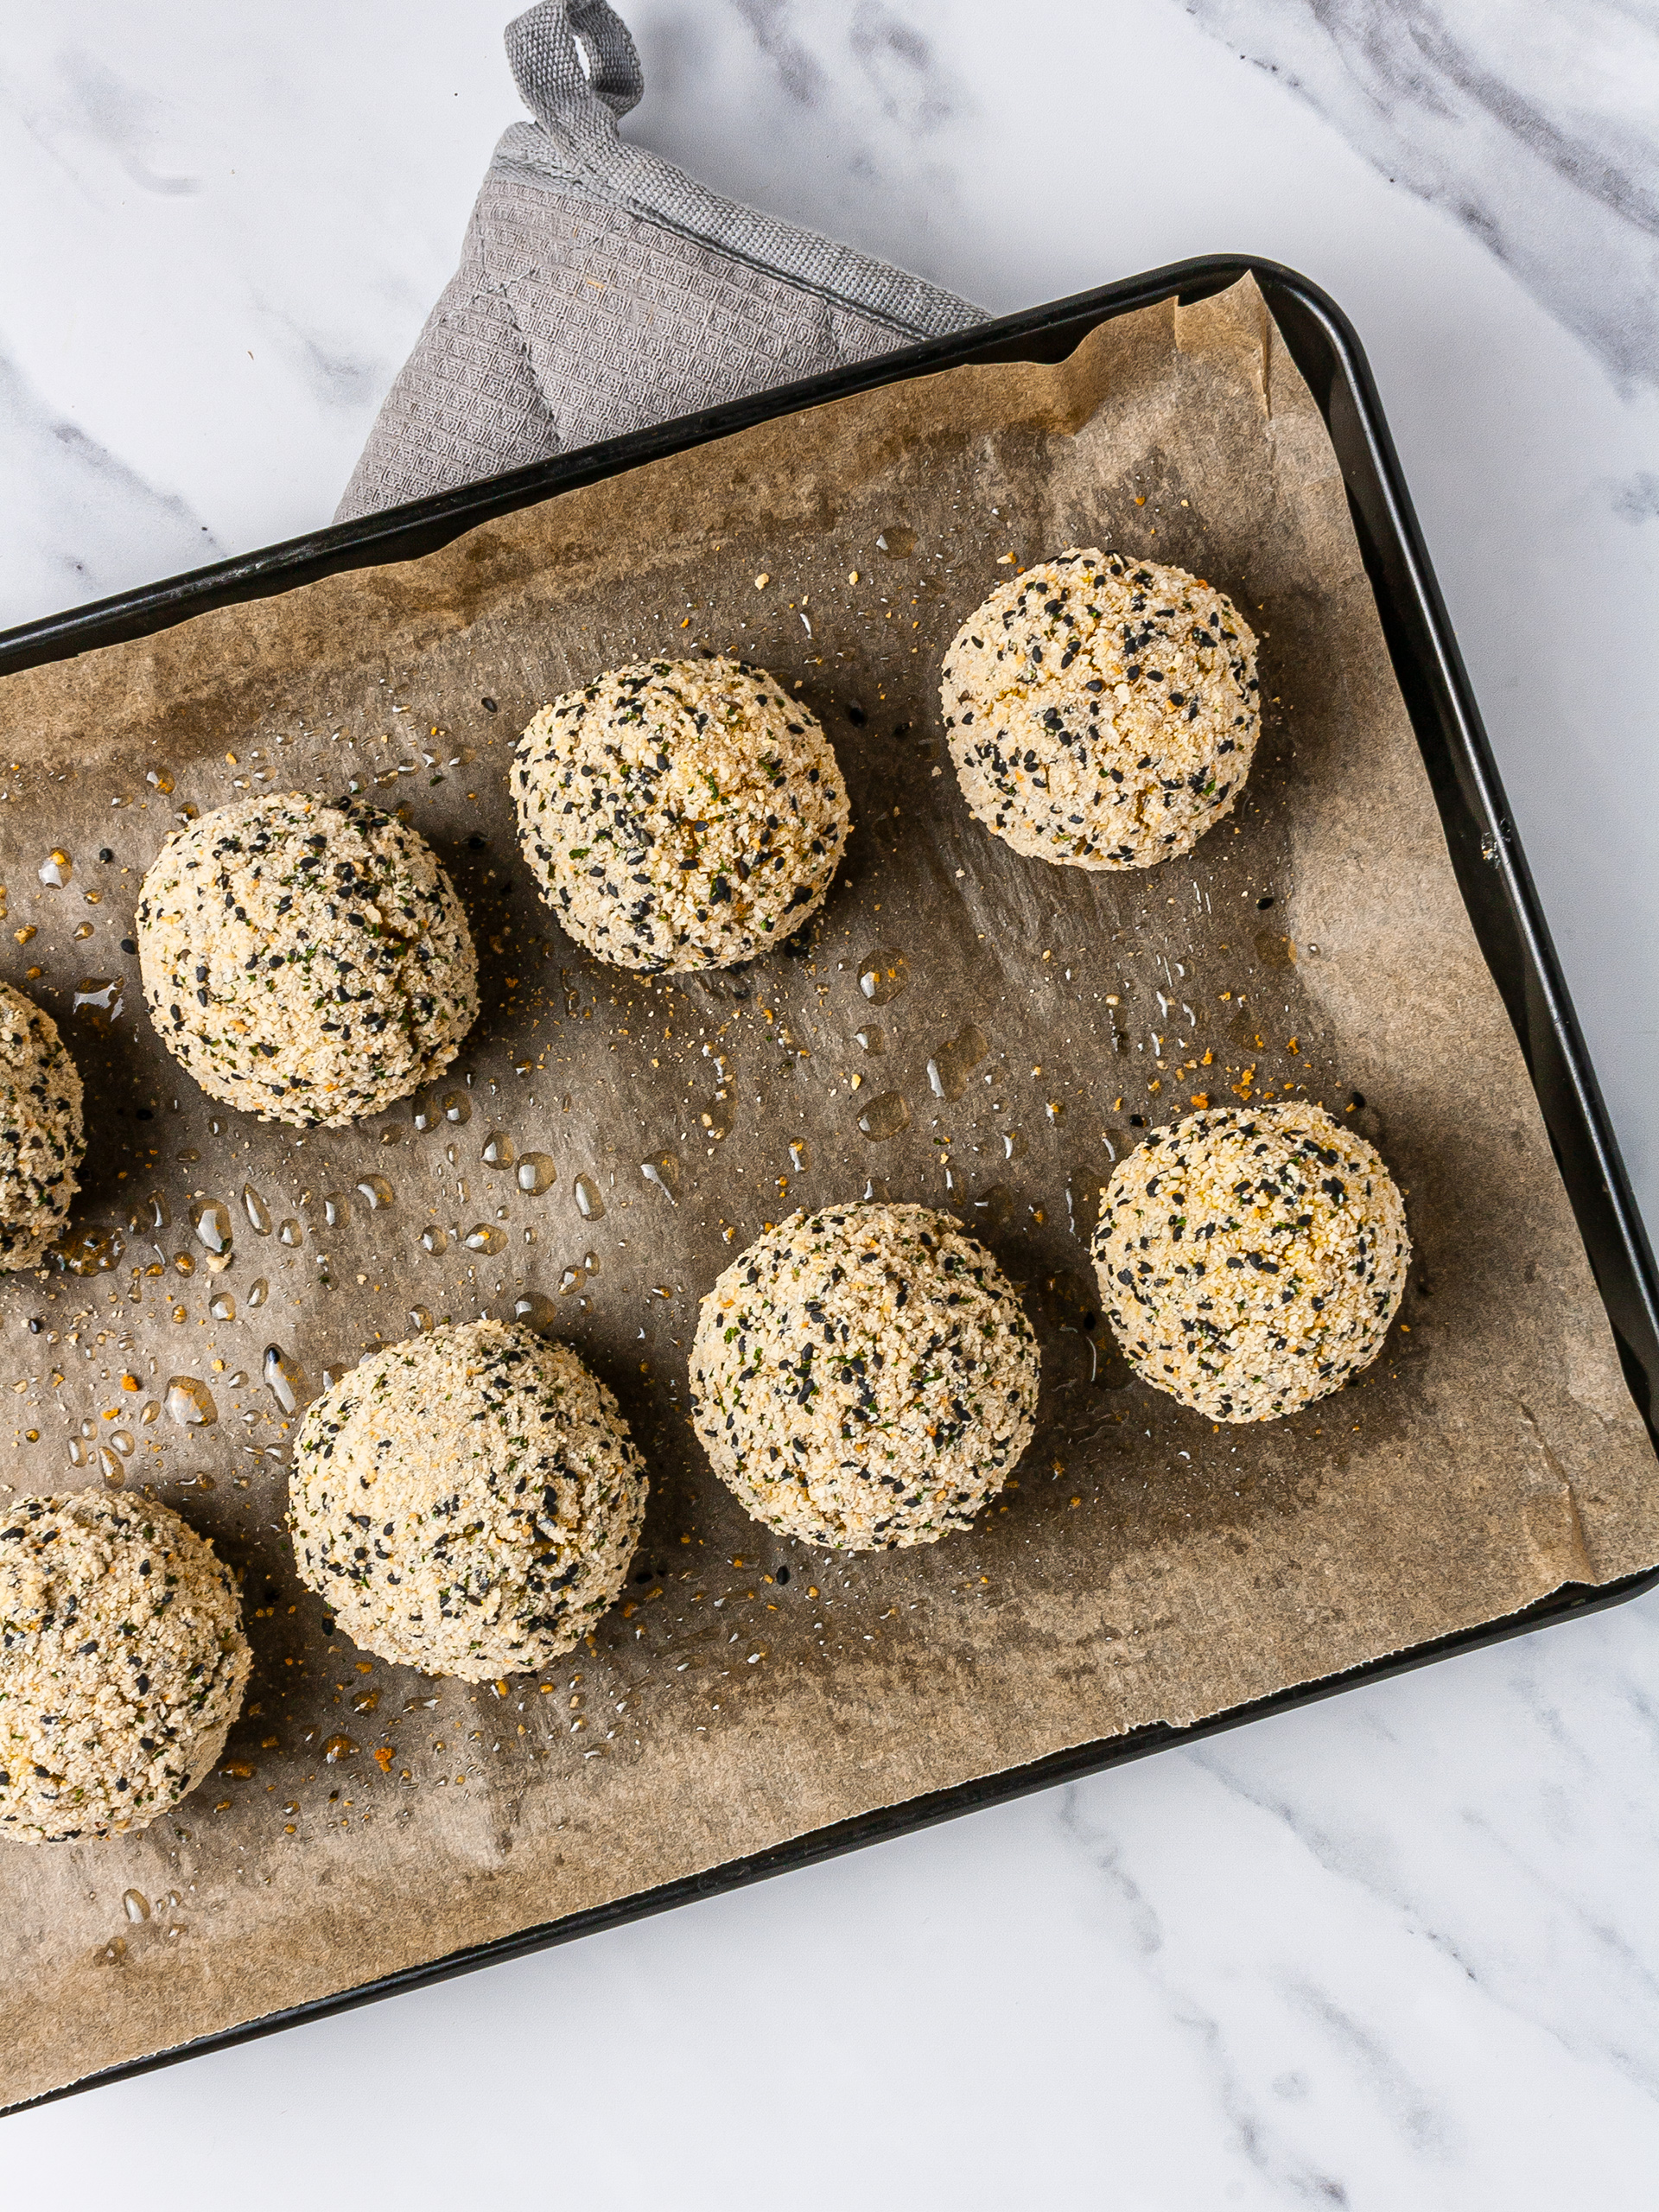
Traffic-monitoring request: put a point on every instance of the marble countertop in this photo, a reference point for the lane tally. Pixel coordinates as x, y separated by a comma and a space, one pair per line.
1401, 1949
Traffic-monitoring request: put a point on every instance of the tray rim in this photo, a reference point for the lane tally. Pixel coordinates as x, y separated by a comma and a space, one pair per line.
1487, 858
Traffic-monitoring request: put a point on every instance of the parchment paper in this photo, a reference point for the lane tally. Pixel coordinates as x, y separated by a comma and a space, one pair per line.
1147, 1565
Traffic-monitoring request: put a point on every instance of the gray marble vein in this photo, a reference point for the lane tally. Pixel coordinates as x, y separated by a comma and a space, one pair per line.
1515, 1836
802, 76
897, 61
1637, 500
860, 98
341, 380
1268, 2147
79, 522
124, 115
1535, 127
1423, 2124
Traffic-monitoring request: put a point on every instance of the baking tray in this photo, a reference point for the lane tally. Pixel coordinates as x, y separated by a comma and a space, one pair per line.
1489, 867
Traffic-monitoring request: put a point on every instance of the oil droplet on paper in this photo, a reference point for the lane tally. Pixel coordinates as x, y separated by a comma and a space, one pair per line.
715, 1118
135, 1905
571, 1280
190, 1402
338, 1748
896, 541
222, 1306
290, 1233
1013, 1144
258, 1291
110, 1467
883, 974
56, 869
876, 1191
533, 1310
457, 1107
420, 1318
663, 1170
283, 1382
336, 1209
101, 998
427, 1115
376, 1192
94, 1252
484, 1236
213, 1224
537, 1174
434, 1239
257, 1211
949, 1068
500, 1151
589, 1203
871, 1039
885, 1116
996, 1207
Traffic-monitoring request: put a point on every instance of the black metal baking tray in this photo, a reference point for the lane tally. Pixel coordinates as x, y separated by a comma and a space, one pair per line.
1487, 856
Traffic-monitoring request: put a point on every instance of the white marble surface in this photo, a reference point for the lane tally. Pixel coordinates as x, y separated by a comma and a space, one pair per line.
1401, 1949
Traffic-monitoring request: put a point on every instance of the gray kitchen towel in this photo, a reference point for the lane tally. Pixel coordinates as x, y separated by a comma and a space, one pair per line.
602, 288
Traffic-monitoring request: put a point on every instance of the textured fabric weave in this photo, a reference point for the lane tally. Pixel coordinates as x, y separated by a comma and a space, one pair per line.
602, 288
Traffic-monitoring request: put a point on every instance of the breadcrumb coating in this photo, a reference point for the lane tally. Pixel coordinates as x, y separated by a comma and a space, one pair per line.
468, 1501
1250, 1259
1101, 712
681, 814
42, 1138
864, 1377
122, 1664
308, 962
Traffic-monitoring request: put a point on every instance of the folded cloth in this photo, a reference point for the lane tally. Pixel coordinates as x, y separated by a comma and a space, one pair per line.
602, 288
